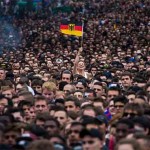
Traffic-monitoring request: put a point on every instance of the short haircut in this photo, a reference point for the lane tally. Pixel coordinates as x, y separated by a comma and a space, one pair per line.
40, 144
72, 99
67, 72
98, 83
100, 99
121, 99
135, 107
128, 122
115, 88
63, 111
49, 86
36, 82
40, 98
90, 91
126, 74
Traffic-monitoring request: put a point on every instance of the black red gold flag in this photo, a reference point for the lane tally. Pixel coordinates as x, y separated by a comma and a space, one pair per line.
72, 29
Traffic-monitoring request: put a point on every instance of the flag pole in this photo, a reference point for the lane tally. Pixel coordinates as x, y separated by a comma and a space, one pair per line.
82, 33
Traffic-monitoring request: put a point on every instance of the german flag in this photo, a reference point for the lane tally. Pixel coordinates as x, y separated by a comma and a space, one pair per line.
72, 29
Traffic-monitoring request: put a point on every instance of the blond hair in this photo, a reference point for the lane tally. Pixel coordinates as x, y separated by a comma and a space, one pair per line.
51, 86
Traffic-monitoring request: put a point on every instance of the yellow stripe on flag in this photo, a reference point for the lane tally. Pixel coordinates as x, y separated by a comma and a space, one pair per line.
69, 32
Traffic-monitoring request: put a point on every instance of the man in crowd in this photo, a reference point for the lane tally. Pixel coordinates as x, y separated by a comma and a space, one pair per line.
108, 67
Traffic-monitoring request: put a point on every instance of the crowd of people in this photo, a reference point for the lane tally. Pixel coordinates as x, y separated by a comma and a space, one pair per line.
63, 92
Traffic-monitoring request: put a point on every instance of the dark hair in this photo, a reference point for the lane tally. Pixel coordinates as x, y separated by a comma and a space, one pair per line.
10, 103
90, 91
67, 72
60, 137
100, 99
126, 74
135, 107
25, 102
37, 82
73, 99
121, 99
114, 89
128, 122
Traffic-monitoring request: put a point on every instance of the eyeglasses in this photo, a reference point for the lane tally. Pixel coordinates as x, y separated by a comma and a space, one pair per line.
129, 114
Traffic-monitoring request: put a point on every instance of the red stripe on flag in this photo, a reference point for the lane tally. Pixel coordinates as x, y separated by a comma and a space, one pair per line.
79, 28
63, 27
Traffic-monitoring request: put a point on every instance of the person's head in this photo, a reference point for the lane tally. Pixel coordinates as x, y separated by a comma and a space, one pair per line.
58, 141
89, 111
128, 144
36, 84
68, 88
40, 104
11, 133
123, 128
132, 109
147, 88
2, 74
93, 70
67, 76
7, 92
131, 96
17, 113
91, 139
81, 85
141, 124
119, 103
98, 88
4, 101
52, 126
126, 79
26, 107
140, 99
99, 102
15, 100
113, 92
41, 119
20, 87
49, 90
81, 65
74, 133
62, 116
78, 94
90, 94
71, 103
143, 140
103, 122
40, 144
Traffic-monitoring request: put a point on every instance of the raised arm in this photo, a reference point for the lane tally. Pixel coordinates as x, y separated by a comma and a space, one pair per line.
77, 60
